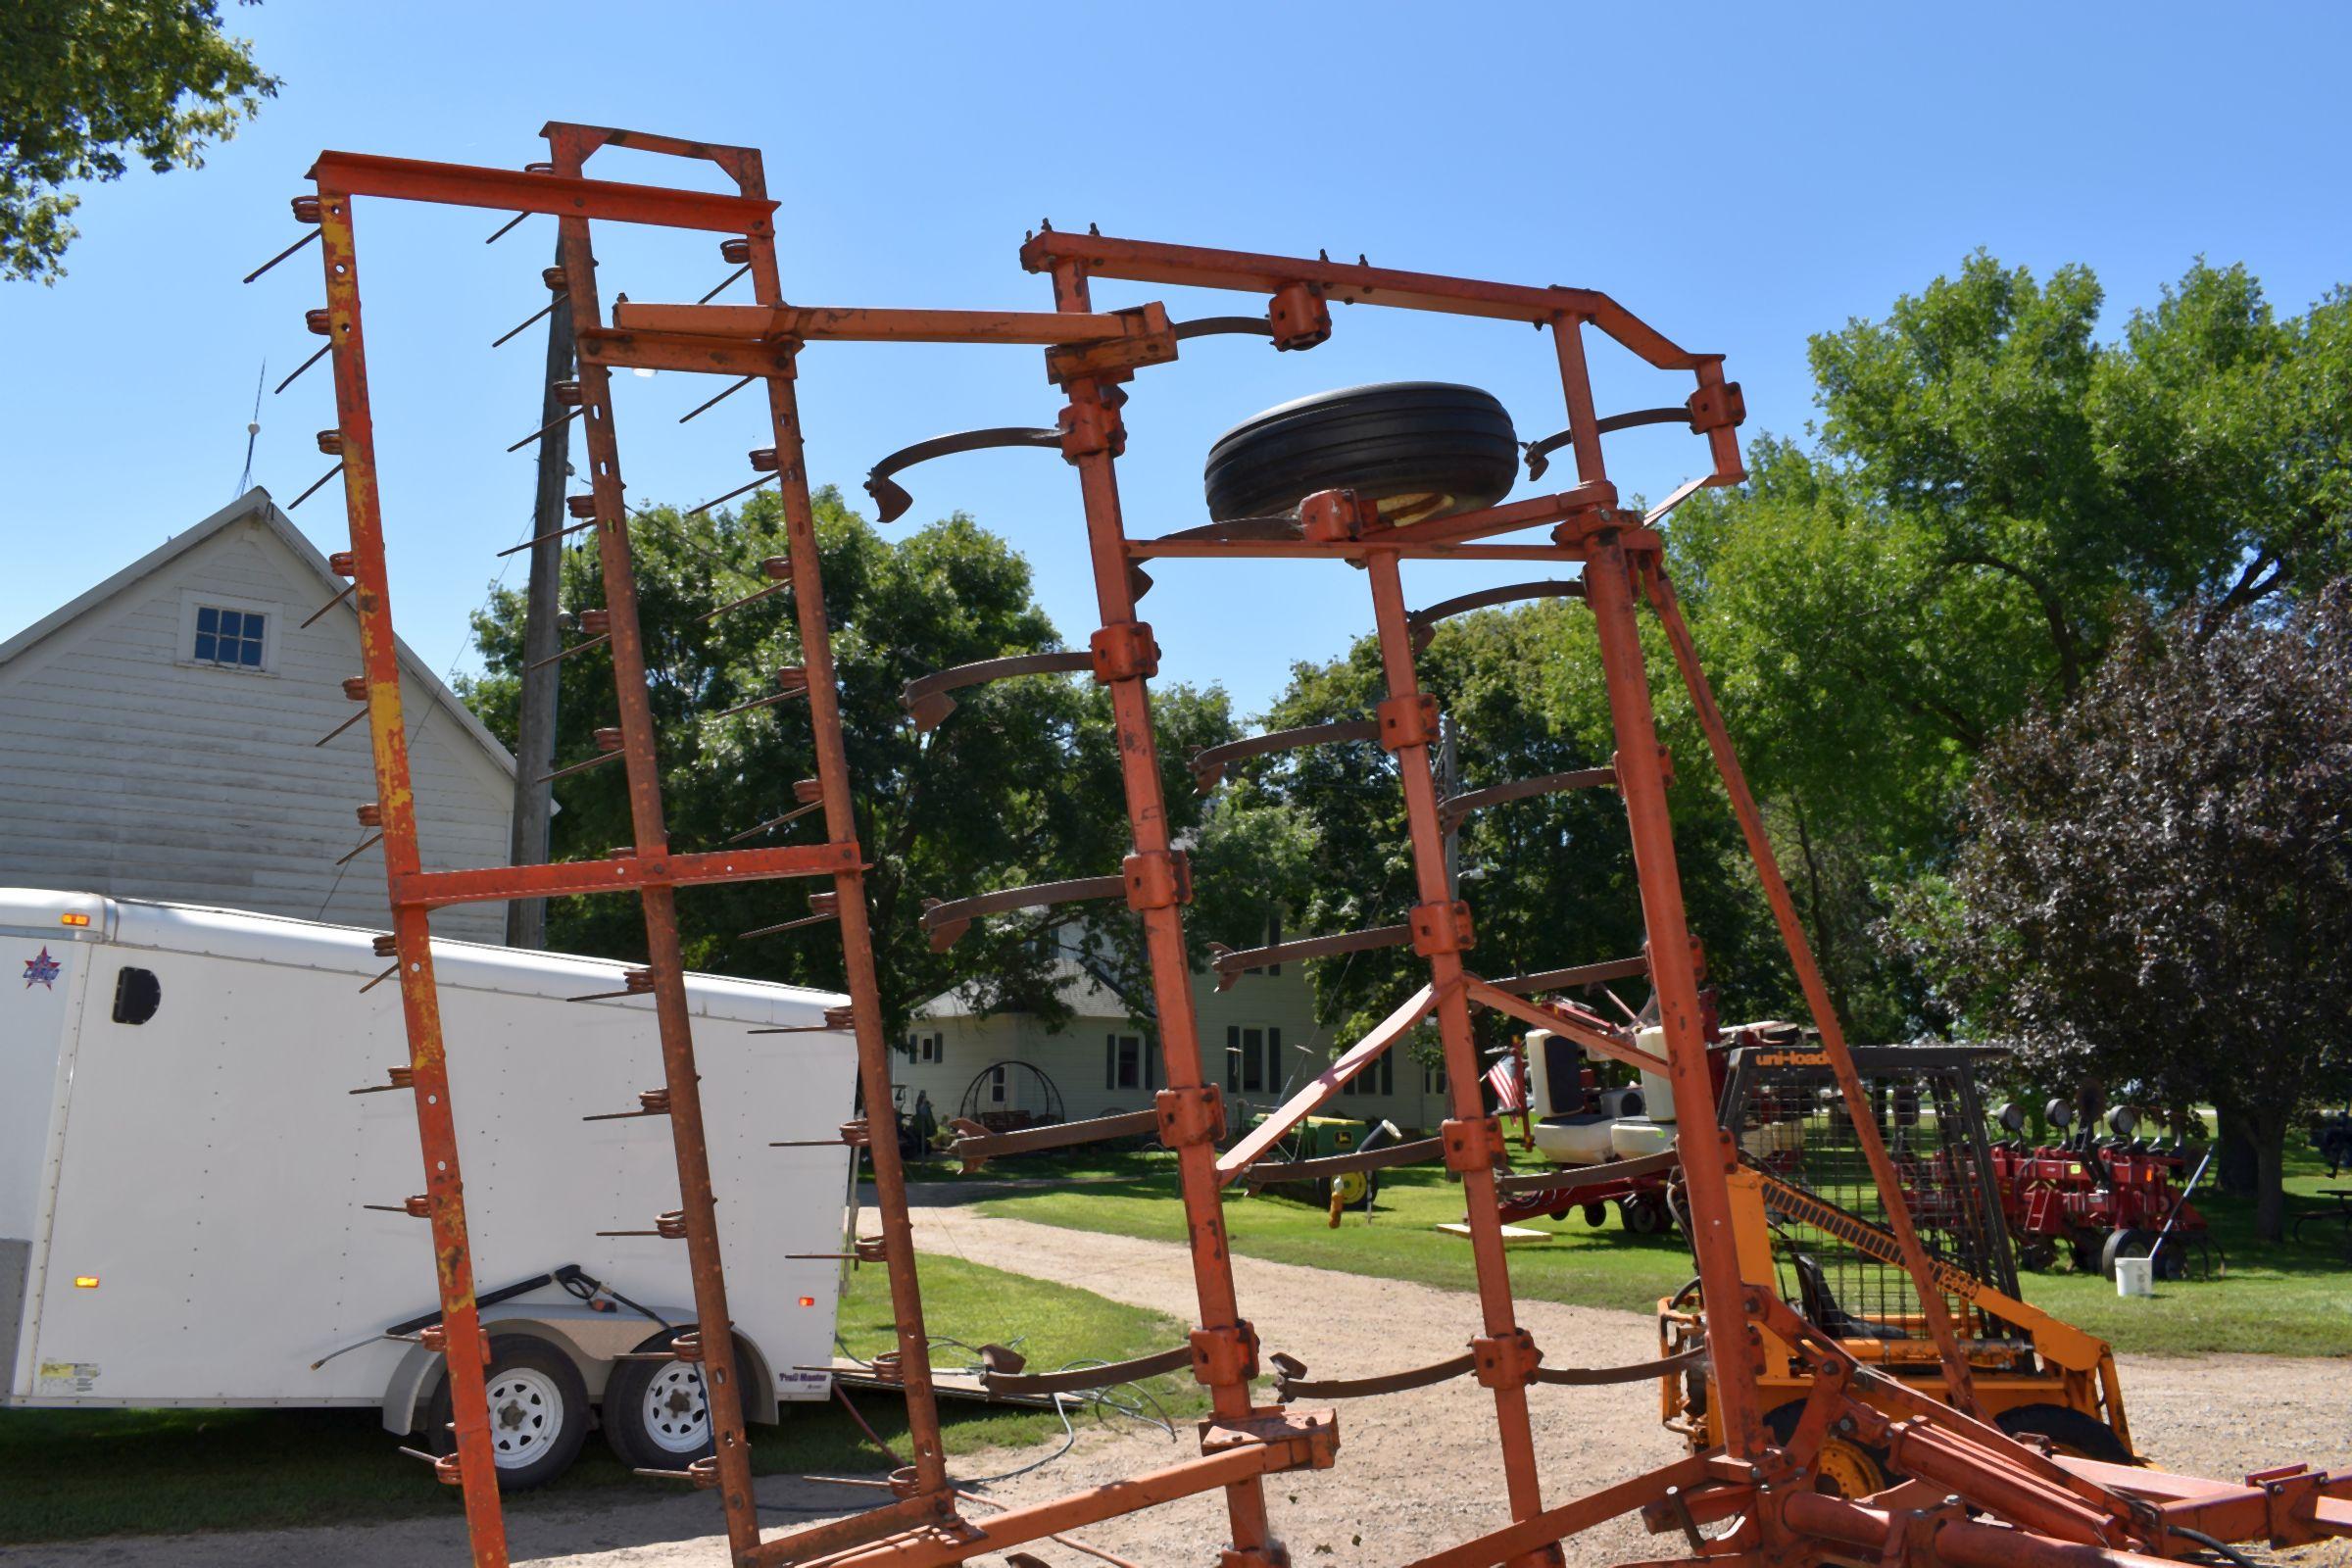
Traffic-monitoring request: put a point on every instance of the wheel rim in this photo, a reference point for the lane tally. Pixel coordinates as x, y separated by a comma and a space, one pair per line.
676, 1412
526, 1416
1352, 1188
1848, 1472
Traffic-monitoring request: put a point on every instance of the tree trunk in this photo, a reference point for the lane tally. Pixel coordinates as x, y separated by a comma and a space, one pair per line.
2270, 1197
2236, 1167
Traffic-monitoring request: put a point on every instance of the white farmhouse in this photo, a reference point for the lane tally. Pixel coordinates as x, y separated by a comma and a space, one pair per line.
157, 740
1258, 1041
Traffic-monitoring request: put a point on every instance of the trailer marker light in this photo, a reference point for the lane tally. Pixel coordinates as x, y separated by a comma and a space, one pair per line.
72, 919
806, 1301
85, 1282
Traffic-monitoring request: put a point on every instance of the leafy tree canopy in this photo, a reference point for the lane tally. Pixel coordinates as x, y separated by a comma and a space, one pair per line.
2156, 886
1549, 879
1021, 784
1993, 491
85, 82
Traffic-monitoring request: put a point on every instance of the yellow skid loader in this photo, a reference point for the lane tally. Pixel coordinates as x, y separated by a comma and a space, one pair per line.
1808, 1223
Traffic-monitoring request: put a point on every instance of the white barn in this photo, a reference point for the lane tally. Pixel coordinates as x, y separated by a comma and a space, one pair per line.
157, 740
1258, 1039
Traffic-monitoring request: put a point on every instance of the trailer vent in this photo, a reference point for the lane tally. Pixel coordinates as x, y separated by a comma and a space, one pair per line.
137, 994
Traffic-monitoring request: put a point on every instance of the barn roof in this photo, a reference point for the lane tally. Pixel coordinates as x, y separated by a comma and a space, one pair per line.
254, 503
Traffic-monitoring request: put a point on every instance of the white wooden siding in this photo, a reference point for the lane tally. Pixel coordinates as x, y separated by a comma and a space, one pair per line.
127, 770
1074, 1057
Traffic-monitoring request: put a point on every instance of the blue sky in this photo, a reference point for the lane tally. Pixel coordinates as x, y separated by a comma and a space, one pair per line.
1741, 176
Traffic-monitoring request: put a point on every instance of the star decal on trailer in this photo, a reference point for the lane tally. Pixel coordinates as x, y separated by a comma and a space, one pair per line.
42, 971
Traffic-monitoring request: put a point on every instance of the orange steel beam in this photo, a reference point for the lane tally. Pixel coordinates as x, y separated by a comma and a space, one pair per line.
1240, 1465
1197, 266
1561, 1023
518, 190
1708, 1153
1440, 937
1225, 1339
874, 1049
665, 953
632, 873
1327, 1083
1514, 1541
421, 1005
856, 324
1957, 1379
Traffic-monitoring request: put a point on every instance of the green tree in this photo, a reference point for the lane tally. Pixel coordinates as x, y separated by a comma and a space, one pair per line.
1992, 489
1021, 784
2156, 885
82, 82
1549, 879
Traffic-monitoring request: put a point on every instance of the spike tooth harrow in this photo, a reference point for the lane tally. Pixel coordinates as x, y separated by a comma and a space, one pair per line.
2028, 1508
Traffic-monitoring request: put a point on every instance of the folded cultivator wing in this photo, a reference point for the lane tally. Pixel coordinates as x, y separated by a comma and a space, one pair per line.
1374, 478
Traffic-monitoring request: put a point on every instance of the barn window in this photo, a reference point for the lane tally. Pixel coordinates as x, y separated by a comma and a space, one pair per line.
230, 638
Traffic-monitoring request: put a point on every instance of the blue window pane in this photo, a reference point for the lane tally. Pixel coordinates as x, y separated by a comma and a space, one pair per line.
232, 624
203, 647
250, 654
207, 621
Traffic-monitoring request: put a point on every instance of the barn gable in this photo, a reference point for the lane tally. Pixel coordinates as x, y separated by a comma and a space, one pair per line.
158, 739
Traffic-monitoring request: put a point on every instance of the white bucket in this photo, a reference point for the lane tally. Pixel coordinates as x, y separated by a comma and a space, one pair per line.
2134, 1276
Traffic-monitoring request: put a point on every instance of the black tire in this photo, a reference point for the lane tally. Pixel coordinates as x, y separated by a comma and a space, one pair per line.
655, 1414
2037, 1254
538, 1411
1421, 449
1642, 1215
1596, 1214
2086, 1254
2124, 1242
2070, 1431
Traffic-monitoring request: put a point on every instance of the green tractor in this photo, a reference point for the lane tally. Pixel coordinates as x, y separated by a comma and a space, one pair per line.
1317, 1138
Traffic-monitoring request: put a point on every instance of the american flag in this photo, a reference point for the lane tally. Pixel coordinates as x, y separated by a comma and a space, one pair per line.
1503, 1079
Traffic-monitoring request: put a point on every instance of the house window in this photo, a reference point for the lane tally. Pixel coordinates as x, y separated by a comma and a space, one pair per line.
925, 1048
1253, 1059
1123, 1062
230, 638
1433, 1079
1378, 1079
995, 1086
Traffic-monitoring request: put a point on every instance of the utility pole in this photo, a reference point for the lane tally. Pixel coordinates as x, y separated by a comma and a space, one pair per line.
541, 639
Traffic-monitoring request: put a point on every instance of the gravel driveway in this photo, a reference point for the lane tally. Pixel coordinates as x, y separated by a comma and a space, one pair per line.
1416, 1471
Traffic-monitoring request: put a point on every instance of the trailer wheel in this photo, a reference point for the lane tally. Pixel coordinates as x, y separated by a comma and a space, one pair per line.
1596, 1214
1419, 449
2071, 1432
538, 1411
657, 1413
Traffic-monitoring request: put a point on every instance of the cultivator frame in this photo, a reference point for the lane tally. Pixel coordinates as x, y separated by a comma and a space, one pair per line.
2034, 1510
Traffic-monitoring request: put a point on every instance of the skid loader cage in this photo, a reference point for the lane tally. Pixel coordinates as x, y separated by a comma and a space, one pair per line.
1987, 1500
1784, 1107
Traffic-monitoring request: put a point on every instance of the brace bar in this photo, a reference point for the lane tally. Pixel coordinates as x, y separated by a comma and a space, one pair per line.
1568, 979
1231, 963
1580, 1028
862, 324
978, 1146
927, 698
563, 878
1301, 1105
1209, 762
945, 920
514, 190
1424, 622
1274, 1172
1457, 806
1079, 1379
1569, 1180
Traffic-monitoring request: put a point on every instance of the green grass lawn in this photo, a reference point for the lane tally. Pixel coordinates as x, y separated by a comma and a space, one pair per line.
2290, 1299
71, 1474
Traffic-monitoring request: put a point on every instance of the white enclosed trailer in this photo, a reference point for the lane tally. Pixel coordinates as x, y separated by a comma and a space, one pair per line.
186, 1178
